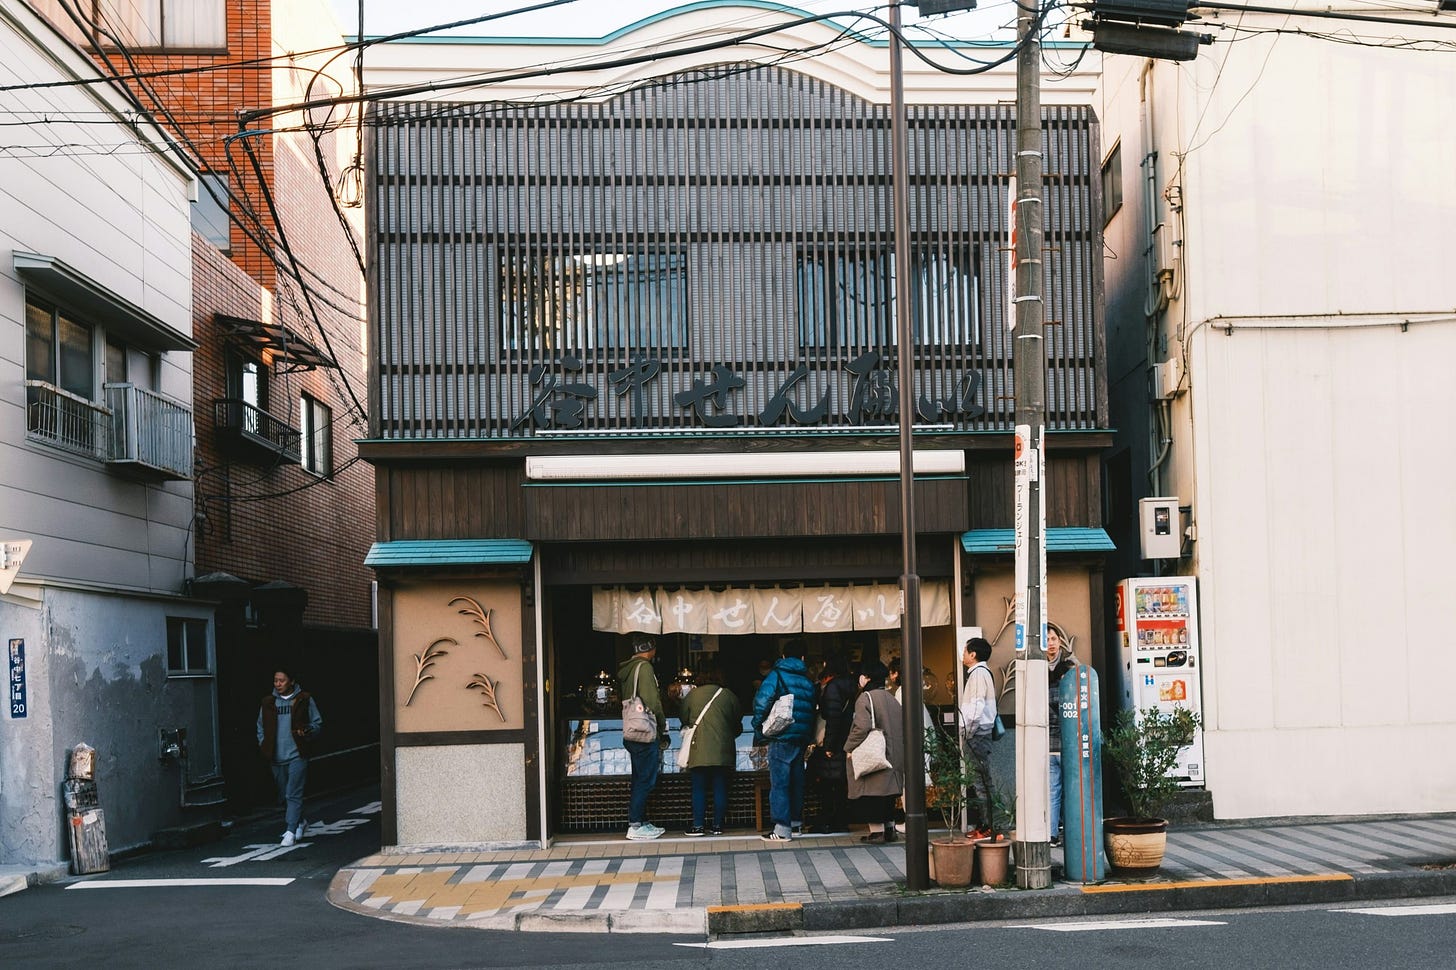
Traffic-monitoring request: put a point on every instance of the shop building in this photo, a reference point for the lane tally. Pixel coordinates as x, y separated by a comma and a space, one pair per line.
634, 371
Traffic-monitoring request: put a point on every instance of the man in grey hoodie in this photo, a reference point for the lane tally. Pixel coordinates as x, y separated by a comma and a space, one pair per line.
288, 723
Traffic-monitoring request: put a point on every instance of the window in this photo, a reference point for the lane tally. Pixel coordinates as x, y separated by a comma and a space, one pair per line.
210, 211
60, 375
316, 424
1112, 183
593, 301
848, 299
146, 24
187, 652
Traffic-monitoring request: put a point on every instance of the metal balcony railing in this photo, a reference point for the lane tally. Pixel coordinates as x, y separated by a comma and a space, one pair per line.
150, 431
257, 427
67, 420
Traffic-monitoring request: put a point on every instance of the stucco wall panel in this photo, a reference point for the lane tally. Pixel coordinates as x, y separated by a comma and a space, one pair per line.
462, 794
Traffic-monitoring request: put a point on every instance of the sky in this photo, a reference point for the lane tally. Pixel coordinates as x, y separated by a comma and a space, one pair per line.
595, 18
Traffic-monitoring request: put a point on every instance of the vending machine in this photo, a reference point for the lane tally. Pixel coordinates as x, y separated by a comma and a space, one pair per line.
1157, 625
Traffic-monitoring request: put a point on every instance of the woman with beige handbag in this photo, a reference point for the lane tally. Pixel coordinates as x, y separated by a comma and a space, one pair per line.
872, 793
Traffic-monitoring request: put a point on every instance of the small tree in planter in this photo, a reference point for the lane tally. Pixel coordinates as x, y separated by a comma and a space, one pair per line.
948, 779
1143, 747
951, 857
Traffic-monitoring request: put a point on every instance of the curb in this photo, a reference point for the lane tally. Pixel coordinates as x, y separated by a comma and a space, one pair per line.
1109, 900
13, 879
936, 908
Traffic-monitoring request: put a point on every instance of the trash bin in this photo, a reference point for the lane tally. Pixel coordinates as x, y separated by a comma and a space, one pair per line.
87, 822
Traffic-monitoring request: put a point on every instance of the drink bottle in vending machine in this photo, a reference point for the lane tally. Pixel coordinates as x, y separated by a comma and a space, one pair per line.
1157, 625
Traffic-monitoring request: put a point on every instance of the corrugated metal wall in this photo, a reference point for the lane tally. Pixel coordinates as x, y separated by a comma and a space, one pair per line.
580, 266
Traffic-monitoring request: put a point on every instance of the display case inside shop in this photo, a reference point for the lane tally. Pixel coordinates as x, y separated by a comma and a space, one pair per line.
594, 749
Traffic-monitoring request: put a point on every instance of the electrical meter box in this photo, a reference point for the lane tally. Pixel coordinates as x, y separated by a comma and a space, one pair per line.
1159, 528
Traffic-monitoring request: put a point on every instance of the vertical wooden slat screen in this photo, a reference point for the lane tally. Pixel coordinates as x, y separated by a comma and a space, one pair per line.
732, 217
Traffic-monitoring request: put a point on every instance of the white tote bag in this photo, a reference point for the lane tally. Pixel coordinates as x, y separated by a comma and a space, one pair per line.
870, 756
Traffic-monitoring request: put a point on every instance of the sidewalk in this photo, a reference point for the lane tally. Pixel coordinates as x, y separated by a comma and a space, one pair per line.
736, 884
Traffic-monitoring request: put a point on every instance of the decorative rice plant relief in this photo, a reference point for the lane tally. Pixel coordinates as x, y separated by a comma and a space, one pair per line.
488, 688
424, 661
481, 615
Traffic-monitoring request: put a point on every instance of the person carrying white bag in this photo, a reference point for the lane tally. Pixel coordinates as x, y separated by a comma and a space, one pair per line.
872, 794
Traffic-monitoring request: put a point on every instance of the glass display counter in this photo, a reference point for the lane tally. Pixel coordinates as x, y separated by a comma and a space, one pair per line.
596, 782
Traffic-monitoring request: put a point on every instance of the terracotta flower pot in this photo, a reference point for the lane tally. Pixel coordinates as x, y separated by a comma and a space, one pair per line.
994, 861
1135, 846
952, 861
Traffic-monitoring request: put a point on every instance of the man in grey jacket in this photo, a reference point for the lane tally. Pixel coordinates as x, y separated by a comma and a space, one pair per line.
288, 723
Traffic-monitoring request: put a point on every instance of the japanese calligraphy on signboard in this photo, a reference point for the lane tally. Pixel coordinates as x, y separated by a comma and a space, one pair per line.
771, 610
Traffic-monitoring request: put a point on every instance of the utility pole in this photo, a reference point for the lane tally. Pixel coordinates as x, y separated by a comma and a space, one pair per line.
917, 846
1033, 848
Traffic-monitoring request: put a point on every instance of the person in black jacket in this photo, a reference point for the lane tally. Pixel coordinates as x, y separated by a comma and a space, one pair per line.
837, 691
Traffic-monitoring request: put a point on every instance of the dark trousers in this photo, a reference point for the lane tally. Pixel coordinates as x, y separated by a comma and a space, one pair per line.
717, 776
977, 750
785, 784
646, 759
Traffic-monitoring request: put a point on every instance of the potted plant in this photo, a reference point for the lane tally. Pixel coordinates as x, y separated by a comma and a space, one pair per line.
993, 853
951, 857
1143, 747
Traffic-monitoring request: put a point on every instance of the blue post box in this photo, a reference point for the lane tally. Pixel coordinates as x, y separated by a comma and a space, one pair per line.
1079, 707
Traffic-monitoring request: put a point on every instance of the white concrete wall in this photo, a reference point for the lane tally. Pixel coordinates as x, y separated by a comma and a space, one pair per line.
1313, 443
95, 673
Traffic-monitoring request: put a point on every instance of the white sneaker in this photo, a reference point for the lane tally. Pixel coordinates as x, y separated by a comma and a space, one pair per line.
643, 831
288, 838
298, 832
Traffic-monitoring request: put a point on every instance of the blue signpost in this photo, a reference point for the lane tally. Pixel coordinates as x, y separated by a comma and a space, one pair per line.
16, 680
1079, 707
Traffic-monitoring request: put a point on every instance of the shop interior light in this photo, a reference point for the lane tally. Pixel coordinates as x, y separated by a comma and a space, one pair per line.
738, 465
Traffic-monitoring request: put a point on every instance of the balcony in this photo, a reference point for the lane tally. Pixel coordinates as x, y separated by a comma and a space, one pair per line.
67, 421
256, 430
140, 431
150, 433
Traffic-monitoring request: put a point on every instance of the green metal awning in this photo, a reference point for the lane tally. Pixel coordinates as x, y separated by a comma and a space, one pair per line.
449, 552
982, 542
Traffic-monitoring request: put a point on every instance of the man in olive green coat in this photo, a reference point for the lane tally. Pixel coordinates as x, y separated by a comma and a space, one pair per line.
717, 720
635, 678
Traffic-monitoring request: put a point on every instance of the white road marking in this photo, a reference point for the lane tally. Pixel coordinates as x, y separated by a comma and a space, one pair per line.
1432, 909
156, 883
785, 941
259, 853
333, 828
1131, 924
373, 808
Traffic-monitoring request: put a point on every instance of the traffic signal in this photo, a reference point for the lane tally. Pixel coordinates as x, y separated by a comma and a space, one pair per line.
927, 7
1145, 28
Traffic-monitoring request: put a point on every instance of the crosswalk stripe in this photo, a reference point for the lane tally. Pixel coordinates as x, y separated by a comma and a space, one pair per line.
785, 941
156, 883
1130, 924
1431, 909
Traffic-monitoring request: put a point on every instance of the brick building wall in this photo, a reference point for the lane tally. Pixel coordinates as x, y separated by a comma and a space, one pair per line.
263, 521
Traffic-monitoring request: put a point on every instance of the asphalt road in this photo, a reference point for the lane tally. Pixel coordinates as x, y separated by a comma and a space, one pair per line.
281, 917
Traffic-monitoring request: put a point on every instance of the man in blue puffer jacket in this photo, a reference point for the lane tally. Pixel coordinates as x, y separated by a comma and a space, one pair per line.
786, 748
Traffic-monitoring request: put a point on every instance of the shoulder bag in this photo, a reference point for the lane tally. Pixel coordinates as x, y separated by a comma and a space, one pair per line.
638, 723
688, 730
781, 716
870, 756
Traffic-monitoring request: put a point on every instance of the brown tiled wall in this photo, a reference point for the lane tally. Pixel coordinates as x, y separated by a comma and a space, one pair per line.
267, 522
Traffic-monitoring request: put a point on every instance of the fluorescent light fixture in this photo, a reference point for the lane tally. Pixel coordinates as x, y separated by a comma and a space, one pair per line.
806, 464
